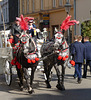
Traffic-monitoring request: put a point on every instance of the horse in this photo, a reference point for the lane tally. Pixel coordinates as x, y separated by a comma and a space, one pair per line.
56, 53
25, 57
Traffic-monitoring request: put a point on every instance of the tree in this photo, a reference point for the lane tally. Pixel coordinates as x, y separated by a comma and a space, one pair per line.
86, 29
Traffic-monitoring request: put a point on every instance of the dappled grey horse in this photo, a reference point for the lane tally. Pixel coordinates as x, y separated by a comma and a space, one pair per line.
55, 53
27, 57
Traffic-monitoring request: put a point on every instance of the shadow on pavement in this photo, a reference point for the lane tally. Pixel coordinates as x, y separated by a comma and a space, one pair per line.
75, 94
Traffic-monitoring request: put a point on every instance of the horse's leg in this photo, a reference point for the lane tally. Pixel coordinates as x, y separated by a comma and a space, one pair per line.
20, 76
32, 75
60, 84
26, 76
47, 70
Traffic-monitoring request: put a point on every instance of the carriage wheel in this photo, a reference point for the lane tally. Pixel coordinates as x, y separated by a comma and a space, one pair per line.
8, 73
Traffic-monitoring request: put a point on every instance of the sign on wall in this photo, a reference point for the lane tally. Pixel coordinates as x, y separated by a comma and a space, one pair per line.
46, 20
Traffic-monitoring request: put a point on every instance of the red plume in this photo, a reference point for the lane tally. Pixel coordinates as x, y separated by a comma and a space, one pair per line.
28, 18
19, 19
67, 23
23, 23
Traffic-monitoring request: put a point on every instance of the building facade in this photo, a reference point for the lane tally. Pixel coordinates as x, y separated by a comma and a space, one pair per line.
10, 10
82, 13
5, 13
47, 13
13, 10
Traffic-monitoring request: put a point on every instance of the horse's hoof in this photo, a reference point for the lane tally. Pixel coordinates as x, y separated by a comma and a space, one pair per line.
48, 84
31, 91
21, 88
60, 87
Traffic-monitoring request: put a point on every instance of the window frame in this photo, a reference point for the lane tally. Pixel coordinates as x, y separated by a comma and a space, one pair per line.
54, 3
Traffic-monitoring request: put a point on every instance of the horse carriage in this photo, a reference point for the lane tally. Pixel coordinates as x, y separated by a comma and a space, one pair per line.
28, 55
5, 56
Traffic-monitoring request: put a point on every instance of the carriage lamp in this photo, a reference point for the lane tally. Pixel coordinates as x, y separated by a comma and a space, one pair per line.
67, 9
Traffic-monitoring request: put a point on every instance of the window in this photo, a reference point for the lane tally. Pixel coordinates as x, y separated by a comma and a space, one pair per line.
41, 4
54, 3
27, 6
68, 0
23, 6
33, 6
60, 2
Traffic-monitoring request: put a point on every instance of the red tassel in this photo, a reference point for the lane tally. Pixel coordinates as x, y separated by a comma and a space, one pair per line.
14, 52
13, 47
29, 61
11, 41
59, 57
37, 59
58, 37
24, 35
66, 56
18, 65
18, 46
63, 58
72, 62
12, 62
24, 42
33, 61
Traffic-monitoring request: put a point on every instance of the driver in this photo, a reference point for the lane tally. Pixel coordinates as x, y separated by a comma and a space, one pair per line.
16, 31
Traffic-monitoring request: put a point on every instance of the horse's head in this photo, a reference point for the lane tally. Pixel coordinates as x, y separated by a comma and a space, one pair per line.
28, 48
28, 44
61, 46
59, 38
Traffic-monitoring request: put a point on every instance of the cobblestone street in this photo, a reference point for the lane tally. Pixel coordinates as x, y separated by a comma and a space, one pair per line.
74, 91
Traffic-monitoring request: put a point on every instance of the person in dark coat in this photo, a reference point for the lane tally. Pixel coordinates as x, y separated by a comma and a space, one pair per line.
16, 31
79, 56
88, 56
32, 29
71, 48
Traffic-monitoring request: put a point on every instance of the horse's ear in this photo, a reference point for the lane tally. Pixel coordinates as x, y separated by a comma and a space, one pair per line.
44, 29
56, 30
37, 30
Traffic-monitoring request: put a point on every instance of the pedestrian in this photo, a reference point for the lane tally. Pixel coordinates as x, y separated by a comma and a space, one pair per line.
71, 48
88, 56
32, 29
79, 56
16, 31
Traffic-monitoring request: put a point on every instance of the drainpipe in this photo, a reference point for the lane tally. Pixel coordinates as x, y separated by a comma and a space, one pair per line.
75, 16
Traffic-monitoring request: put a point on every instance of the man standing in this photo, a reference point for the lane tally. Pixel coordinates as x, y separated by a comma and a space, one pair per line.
32, 30
79, 56
71, 48
88, 56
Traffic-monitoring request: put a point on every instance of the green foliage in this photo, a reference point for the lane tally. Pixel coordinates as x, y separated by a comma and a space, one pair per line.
86, 28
